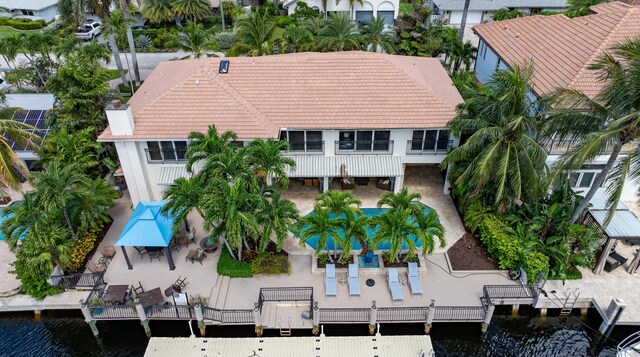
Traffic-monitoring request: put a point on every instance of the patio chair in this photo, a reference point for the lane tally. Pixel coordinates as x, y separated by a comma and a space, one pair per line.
154, 254
139, 289
179, 284
200, 255
142, 251
94, 268
394, 285
107, 252
354, 280
188, 238
173, 245
413, 275
330, 280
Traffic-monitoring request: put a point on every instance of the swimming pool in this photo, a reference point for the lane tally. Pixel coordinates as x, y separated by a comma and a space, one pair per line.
370, 212
3, 217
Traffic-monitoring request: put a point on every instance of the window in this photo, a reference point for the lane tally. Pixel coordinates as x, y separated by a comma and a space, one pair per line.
443, 140
181, 149
154, 150
387, 16
347, 140
583, 178
27, 12
301, 140
430, 140
170, 151
296, 140
314, 141
364, 140
381, 140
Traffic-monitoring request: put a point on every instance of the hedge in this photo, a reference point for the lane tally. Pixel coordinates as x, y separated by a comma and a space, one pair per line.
504, 247
230, 267
22, 24
271, 263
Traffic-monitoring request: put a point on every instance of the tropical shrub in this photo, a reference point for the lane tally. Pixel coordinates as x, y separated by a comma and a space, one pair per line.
225, 40
143, 41
503, 246
533, 263
270, 263
34, 284
323, 258
81, 248
233, 268
475, 214
22, 24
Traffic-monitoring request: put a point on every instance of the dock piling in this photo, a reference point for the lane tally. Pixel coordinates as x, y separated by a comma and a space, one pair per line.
200, 317
257, 318
373, 317
430, 315
487, 317
316, 318
514, 310
88, 318
612, 314
143, 319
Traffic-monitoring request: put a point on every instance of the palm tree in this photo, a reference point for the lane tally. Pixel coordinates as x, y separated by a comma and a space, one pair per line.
21, 218
234, 165
429, 228
192, 9
602, 125
230, 212
580, 7
321, 225
278, 217
395, 226
124, 7
45, 246
58, 186
114, 28
501, 161
91, 207
157, 10
296, 39
64, 46
339, 33
338, 202
402, 200
352, 4
256, 35
184, 196
354, 225
462, 53
194, 38
94, 51
9, 48
506, 14
463, 21
376, 36
12, 168
72, 12
202, 147
266, 159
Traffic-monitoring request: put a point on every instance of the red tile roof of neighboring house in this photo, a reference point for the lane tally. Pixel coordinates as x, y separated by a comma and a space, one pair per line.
260, 95
562, 48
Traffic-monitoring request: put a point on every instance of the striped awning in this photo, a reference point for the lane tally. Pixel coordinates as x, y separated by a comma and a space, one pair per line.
356, 166
168, 174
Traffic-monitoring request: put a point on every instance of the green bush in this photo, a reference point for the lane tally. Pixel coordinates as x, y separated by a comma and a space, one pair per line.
533, 263
225, 40
81, 248
503, 246
271, 263
323, 258
38, 287
7, 113
22, 24
230, 267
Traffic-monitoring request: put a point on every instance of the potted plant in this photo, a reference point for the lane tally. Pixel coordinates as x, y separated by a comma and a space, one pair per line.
200, 300
98, 305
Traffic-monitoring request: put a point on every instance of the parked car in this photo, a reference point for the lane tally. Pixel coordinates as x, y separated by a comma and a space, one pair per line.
90, 30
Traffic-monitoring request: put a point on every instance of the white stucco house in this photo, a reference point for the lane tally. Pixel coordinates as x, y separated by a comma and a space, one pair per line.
369, 114
450, 11
561, 49
387, 9
44, 9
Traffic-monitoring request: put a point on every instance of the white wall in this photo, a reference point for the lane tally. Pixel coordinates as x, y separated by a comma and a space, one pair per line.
367, 5
48, 14
473, 18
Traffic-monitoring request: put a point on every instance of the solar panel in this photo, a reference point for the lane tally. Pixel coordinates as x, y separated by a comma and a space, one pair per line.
19, 115
31, 122
35, 118
34, 114
42, 124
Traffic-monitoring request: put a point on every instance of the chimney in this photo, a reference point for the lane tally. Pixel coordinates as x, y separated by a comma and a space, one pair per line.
120, 118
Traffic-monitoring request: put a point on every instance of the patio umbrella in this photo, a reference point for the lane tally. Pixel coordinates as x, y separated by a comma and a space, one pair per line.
149, 228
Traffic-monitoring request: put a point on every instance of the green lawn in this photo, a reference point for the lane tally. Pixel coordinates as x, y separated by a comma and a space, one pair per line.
114, 74
9, 31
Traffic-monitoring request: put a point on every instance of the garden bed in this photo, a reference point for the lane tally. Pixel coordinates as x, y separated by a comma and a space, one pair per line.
269, 262
98, 239
338, 264
468, 253
401, 263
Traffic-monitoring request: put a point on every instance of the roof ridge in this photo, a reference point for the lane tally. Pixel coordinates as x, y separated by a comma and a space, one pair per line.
604, 45
210, 73
406, 75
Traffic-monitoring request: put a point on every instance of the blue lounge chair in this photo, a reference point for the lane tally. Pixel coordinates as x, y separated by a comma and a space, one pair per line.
413, 276
354, 280
394, 285
330, 280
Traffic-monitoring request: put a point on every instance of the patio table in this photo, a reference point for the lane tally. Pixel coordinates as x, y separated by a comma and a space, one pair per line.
151, 297
115, 293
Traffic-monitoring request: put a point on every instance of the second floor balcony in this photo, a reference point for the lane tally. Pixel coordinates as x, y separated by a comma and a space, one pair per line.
165, 156
305, 148
345, 147
559, 147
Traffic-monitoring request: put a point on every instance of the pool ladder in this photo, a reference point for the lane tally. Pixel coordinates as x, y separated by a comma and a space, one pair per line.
285, 332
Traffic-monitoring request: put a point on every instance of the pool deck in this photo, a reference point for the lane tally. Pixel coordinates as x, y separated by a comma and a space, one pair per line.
9, 285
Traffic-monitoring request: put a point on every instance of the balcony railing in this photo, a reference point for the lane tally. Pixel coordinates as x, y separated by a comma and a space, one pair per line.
364, 147
427, 147
559, 147
305, 148
168, 156
77, 280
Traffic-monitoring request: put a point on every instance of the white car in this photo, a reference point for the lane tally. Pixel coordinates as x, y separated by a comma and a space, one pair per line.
90, 30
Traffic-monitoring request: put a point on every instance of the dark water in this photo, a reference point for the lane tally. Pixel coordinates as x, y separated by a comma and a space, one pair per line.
61, 333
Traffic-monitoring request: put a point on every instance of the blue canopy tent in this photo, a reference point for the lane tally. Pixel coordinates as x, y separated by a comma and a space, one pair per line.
147, 227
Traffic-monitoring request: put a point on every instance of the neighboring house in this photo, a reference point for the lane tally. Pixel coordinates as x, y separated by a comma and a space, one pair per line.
480, 11
45, 9
561, 49
370, 113
34, 112
387, 9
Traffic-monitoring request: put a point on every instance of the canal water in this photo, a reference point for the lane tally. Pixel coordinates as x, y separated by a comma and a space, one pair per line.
64, 333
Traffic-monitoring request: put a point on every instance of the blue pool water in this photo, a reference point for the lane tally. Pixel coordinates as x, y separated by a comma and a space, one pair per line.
313, 242
3, 217
375, 262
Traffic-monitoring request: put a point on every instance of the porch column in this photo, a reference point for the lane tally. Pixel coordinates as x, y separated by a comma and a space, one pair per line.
170, 259
603, 257
326, 180
126, 257
399, 181
447, 184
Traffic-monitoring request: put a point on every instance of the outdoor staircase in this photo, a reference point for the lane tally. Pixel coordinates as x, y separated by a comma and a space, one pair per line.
285, 332
571, 297
219, 292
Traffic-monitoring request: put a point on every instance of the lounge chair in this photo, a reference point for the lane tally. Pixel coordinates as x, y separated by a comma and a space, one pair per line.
394, 285
107, 252
354, 280
413, 275
94, 268
330, 280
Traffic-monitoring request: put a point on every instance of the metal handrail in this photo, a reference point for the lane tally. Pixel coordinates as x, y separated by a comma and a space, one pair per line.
344, 315
285, 294
402, 314
423, 151
153, 159
459, 313
509, 291
77, 280
559, 147
360, 147
305, 148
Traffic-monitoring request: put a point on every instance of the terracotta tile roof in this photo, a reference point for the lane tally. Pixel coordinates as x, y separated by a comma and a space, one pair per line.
260, 95
562, 48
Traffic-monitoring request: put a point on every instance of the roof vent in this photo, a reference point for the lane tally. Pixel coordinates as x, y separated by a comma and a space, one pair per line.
505, 26
224, 67
518, 35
